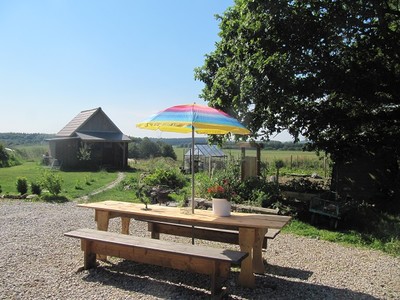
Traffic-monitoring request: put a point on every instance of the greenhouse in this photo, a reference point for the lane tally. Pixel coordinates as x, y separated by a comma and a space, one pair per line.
206, 157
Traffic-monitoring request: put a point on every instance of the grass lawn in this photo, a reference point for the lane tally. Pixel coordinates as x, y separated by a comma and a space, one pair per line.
74, 184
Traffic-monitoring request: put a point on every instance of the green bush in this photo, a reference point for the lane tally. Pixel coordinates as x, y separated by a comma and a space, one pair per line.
22, 185
36, 188
303, 186
258, 191
172, 178
52, 182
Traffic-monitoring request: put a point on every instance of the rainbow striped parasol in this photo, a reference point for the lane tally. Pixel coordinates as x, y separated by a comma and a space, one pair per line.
193, 118
203, 119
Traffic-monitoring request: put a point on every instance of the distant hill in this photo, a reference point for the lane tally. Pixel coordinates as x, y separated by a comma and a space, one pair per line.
270, 145
11, 139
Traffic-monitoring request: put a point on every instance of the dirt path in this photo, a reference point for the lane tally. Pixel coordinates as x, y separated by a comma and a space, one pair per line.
113, 184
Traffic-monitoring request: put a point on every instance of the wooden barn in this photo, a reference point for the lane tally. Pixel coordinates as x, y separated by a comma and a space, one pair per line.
90, 140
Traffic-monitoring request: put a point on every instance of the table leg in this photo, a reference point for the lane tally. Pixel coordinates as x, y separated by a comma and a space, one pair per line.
246, 242
258, 264
125, 225
102, 218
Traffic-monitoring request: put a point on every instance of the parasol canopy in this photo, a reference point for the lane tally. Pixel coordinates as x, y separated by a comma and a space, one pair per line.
184, 118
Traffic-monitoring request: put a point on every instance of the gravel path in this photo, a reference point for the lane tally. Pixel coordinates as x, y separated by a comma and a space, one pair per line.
38, 262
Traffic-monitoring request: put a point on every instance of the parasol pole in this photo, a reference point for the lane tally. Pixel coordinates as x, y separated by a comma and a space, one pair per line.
192, 158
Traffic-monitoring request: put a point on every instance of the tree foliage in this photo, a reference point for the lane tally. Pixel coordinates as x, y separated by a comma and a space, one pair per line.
325, 70
146, 148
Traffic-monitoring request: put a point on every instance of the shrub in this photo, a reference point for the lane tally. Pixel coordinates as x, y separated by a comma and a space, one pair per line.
52, 182
171, 178
22, 185
78, 185
258, 191
303, 186
36, 188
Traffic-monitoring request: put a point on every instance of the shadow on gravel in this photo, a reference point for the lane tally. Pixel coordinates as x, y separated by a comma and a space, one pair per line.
54, 199
167, 283
287, 272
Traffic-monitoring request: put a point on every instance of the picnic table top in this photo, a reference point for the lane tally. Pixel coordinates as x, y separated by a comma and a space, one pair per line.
183, 215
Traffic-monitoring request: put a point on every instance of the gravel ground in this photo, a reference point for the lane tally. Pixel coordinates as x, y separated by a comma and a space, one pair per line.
38, 262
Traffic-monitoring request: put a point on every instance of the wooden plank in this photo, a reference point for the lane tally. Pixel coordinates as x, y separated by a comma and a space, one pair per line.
213, 262
199, 218
203, 233
153, 244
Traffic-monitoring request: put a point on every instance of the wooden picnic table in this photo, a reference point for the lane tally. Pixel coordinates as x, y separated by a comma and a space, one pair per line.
252, 227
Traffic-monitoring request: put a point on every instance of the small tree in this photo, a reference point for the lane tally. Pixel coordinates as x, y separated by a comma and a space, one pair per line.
52, 182
143, 192
36, 188
22, 185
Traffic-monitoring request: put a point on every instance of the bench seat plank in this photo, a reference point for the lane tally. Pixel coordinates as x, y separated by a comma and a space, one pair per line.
204, 260
166, 246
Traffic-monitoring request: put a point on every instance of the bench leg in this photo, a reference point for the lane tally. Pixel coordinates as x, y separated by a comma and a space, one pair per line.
153, 230
220, 271
89, 258
125, 225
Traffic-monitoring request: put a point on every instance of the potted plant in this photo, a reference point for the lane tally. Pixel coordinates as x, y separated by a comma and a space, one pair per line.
221, 193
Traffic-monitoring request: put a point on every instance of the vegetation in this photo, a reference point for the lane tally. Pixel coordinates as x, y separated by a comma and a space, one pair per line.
146, 148
328, 71
52, 182
325, 70
8, 157
361, 226
12, 139
35, 174
385, 238
22, 185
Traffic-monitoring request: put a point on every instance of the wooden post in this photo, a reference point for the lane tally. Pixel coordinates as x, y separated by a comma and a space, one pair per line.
258, 160
89, 258
243, 167
125, 225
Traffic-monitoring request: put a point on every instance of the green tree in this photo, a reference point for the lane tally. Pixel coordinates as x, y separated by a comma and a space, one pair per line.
325, 70
52, 182
167, 150
3, 156
148, 148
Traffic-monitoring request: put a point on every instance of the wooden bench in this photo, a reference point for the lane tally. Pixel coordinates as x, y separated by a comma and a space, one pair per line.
209, 261
203, 233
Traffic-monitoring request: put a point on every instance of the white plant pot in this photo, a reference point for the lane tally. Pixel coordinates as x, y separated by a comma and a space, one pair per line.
221, 207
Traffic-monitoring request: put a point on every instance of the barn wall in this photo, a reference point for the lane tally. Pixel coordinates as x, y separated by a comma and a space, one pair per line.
65, 151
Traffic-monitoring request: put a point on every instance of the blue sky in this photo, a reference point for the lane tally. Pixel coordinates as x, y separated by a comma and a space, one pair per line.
131, 58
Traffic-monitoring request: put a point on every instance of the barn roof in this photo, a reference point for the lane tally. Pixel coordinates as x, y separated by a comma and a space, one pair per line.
92, 125
206, 150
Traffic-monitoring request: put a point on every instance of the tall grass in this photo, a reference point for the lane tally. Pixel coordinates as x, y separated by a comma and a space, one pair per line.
387, 241
31, 153
295, 162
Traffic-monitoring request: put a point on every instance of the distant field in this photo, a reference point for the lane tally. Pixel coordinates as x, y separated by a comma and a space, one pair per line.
295, 161
266, 155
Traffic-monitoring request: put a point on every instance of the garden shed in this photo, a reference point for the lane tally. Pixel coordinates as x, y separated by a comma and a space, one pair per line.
90, 140
206, 157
